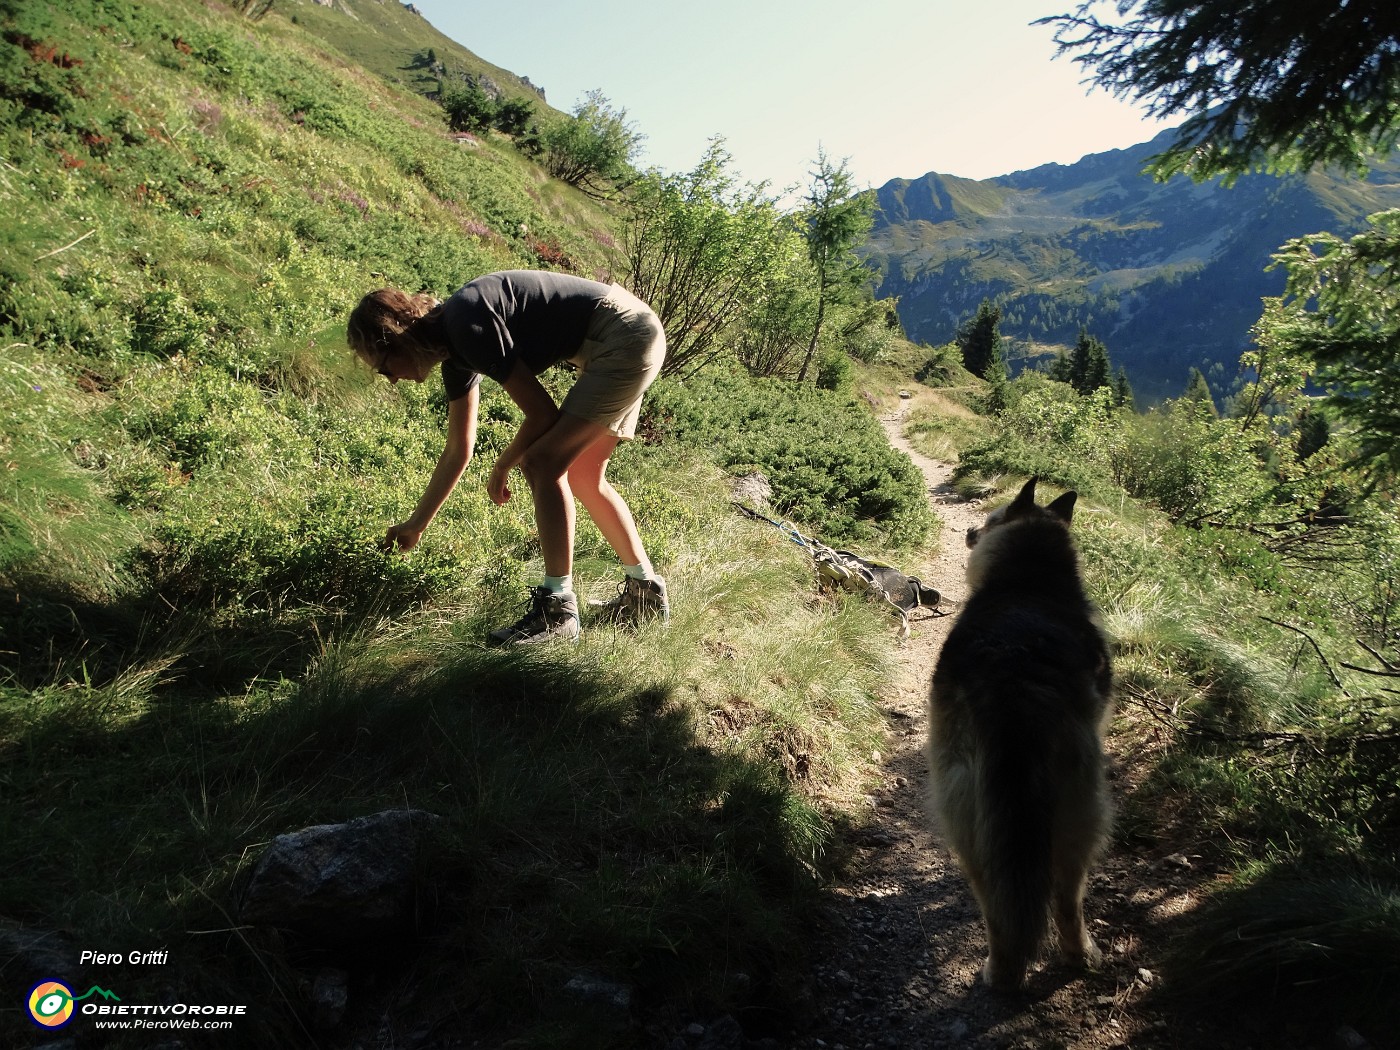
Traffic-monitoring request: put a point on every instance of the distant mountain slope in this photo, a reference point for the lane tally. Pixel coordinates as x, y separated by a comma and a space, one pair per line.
1168, 275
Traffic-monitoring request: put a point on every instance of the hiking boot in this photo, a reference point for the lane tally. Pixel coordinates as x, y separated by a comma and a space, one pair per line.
548, 618
637, 601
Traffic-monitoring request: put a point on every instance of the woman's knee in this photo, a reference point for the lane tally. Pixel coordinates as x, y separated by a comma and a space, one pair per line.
542, 468
588, 480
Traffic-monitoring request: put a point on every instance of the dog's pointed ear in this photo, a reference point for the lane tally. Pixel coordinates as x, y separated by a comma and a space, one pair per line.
1063, 507
1024, 501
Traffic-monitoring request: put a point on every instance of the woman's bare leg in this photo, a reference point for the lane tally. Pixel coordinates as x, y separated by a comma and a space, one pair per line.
547, 467
587, 478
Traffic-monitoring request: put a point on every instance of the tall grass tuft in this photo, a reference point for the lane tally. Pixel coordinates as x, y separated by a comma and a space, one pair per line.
1306, 948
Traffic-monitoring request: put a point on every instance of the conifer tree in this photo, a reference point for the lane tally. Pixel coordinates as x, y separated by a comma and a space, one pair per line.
1198, 393
837, 216
1284, 84
1312, 434
1088, 367
1123, 391
979, 339
1341, 311
998, 387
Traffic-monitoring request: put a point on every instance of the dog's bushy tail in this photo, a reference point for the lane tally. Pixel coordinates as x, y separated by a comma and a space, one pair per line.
1016, 841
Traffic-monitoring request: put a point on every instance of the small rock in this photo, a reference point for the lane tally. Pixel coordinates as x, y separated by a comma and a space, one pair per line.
596, 990
695, 1030
724, 1034
1348, 1038
1145, 975
342, 883
330, 992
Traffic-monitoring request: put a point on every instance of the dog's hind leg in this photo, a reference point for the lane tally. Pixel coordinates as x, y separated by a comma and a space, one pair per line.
1071, 877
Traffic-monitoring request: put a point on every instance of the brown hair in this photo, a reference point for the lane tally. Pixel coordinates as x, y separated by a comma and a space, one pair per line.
387, 316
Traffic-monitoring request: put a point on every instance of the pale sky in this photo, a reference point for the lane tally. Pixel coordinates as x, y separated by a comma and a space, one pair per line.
899, 88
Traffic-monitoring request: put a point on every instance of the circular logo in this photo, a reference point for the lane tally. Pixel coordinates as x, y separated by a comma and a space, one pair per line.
50, 1004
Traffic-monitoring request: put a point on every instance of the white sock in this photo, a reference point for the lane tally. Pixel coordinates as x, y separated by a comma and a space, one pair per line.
642, 571
558, 584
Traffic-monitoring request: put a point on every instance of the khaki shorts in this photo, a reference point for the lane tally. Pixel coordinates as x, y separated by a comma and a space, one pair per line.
617, 361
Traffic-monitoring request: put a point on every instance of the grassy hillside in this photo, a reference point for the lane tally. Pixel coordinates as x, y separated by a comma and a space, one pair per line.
203, 646
393, 41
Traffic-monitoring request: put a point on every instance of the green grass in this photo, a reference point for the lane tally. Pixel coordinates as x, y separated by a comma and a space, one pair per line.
940, 427
1323, 952
657, 808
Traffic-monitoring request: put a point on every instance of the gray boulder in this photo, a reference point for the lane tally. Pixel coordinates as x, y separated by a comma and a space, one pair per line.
29, 955
342, 884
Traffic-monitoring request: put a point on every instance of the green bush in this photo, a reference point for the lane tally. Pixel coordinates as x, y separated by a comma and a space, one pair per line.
830, 464
1046, 430
835, 370
1193, 466
592, 149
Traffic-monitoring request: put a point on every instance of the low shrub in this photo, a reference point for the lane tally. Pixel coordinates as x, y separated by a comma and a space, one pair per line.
830, 464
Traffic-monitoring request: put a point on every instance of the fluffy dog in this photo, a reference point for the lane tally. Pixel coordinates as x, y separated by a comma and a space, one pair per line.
1017, 711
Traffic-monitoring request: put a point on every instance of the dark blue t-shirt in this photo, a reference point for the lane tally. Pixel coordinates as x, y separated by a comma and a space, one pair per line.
531, 316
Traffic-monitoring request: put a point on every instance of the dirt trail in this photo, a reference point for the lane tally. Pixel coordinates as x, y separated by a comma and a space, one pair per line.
903, 944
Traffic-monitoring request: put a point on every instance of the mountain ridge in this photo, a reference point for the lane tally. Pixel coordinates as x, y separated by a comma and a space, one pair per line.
1169, 275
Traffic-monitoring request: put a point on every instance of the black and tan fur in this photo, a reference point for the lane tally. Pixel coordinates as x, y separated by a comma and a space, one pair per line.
1019, 702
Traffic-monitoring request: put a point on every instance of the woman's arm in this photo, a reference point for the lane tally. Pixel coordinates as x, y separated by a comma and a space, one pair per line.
456, 454
541, 413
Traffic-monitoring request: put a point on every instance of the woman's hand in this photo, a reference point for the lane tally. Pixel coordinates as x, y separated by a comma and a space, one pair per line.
404, 537
498, 485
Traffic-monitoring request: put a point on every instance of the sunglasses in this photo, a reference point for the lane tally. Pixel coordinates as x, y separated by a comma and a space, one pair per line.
382, 367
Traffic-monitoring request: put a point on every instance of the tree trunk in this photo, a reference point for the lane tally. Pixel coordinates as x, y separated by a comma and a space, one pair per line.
816, 333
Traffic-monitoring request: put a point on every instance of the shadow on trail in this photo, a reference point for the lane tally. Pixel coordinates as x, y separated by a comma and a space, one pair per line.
904, 945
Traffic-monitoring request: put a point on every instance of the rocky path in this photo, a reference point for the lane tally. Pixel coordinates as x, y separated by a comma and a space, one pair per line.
903, 942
